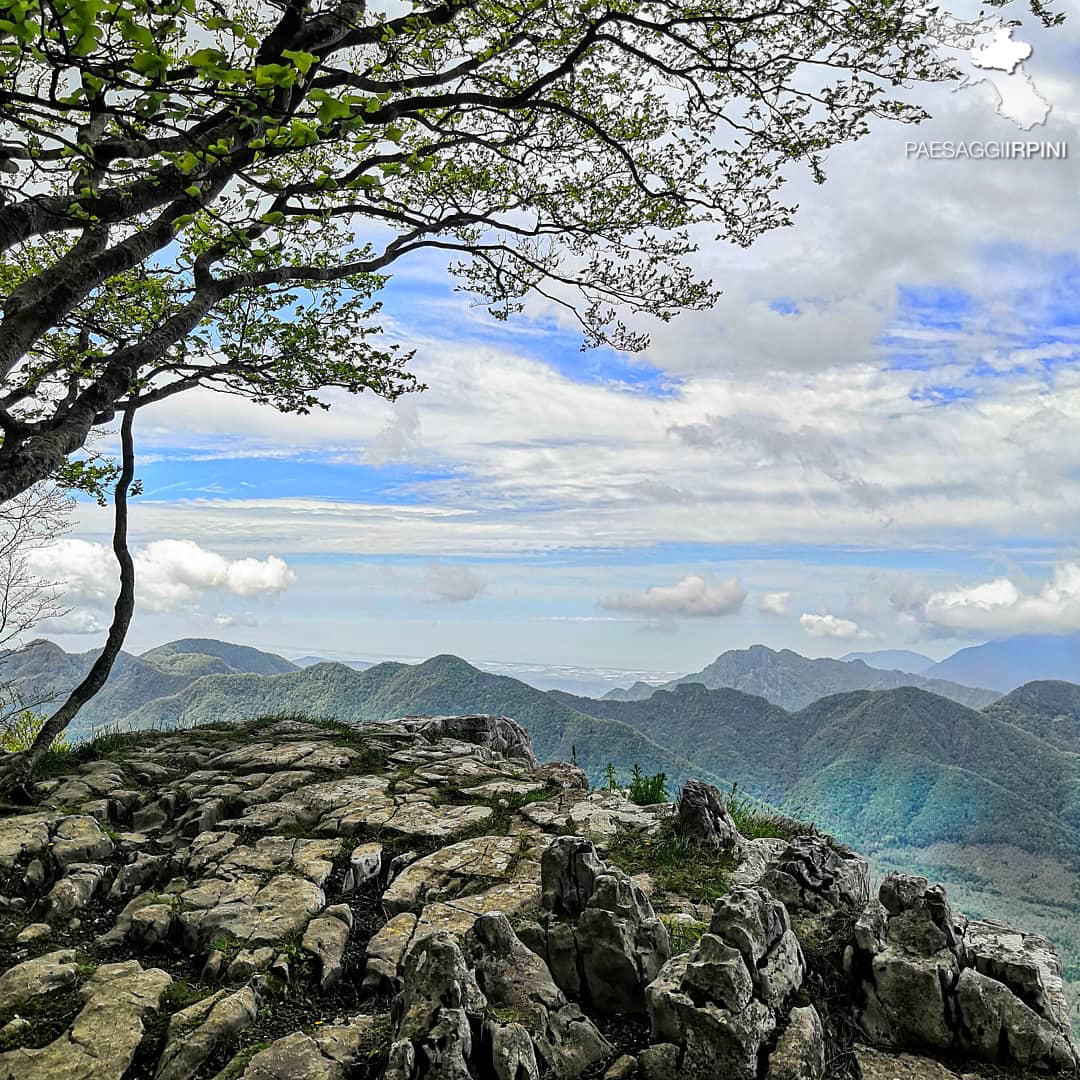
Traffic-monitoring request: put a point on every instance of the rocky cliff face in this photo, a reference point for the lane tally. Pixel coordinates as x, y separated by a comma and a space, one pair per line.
420, 900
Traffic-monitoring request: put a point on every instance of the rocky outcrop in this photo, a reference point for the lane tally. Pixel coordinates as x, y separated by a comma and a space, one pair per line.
720, 1003
419, 900
598, 934
930, 979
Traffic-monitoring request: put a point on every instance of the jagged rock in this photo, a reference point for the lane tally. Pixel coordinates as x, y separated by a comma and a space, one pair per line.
102, 1041
926, 979
800, 1050
1026, 963
433, 1037
248, 962
326, 938
659, 1062
562, 774
390, 945
74, 890
48, 974
197, 1031
79, 839
623, 1068
523, 997
617, 944
997, 1026
386, 953
134, 875
703, 816
720, 1002
569, 869
814, 874
325, 1055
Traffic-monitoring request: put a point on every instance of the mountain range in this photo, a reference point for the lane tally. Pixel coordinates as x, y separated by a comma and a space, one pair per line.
793, 681
986, 799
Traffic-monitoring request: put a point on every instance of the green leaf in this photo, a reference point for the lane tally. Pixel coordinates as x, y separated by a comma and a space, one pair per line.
302, 61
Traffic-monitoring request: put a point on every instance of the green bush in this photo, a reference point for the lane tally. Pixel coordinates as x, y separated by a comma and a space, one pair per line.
646, 790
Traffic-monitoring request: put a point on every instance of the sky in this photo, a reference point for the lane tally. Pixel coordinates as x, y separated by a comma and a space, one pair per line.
869, 442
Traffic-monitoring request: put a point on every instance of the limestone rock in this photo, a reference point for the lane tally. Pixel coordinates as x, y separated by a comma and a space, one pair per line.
325, 1055
816, 875
79, 839
569, 869
74, 890
878, 1065
433, 1036
365, 864
102, 1041
720, 1002
500, 734
522, 998
800, 1051
48, 974
197, 1031
452, 871
927, 978
703, 817
326, 938
617, 944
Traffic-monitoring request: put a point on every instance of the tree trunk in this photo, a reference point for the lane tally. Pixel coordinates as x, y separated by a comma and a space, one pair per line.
17, 770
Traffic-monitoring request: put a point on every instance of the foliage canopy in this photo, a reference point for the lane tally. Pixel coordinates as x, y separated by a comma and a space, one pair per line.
211, 192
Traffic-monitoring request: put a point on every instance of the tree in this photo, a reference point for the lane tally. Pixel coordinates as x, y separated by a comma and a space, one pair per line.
28, 522
17, 768
211, 192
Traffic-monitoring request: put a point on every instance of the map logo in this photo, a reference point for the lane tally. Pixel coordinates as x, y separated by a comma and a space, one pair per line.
986, 53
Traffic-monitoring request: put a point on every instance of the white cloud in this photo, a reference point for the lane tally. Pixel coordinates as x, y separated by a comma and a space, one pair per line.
246, 619
169, 574
1001, 606
774, 603
452, 582
697, 595
826, 625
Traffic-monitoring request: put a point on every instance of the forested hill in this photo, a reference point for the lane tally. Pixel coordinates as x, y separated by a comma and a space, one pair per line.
878, 767
792, 681
443, 684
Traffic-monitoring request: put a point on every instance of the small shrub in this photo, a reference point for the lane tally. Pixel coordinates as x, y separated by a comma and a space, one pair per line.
647, 790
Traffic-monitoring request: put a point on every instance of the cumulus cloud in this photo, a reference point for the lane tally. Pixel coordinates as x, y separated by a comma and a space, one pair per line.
246, 619
696, 595
774, 603
170, 575
452, 583
825, 625
1002, 606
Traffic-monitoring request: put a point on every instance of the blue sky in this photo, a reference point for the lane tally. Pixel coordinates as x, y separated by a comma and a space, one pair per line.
877, 423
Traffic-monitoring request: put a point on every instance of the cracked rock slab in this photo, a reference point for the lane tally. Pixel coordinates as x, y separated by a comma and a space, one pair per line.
102, 1041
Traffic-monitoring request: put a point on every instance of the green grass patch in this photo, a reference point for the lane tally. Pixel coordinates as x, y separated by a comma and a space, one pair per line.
757, 820
684, 933
678, 866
